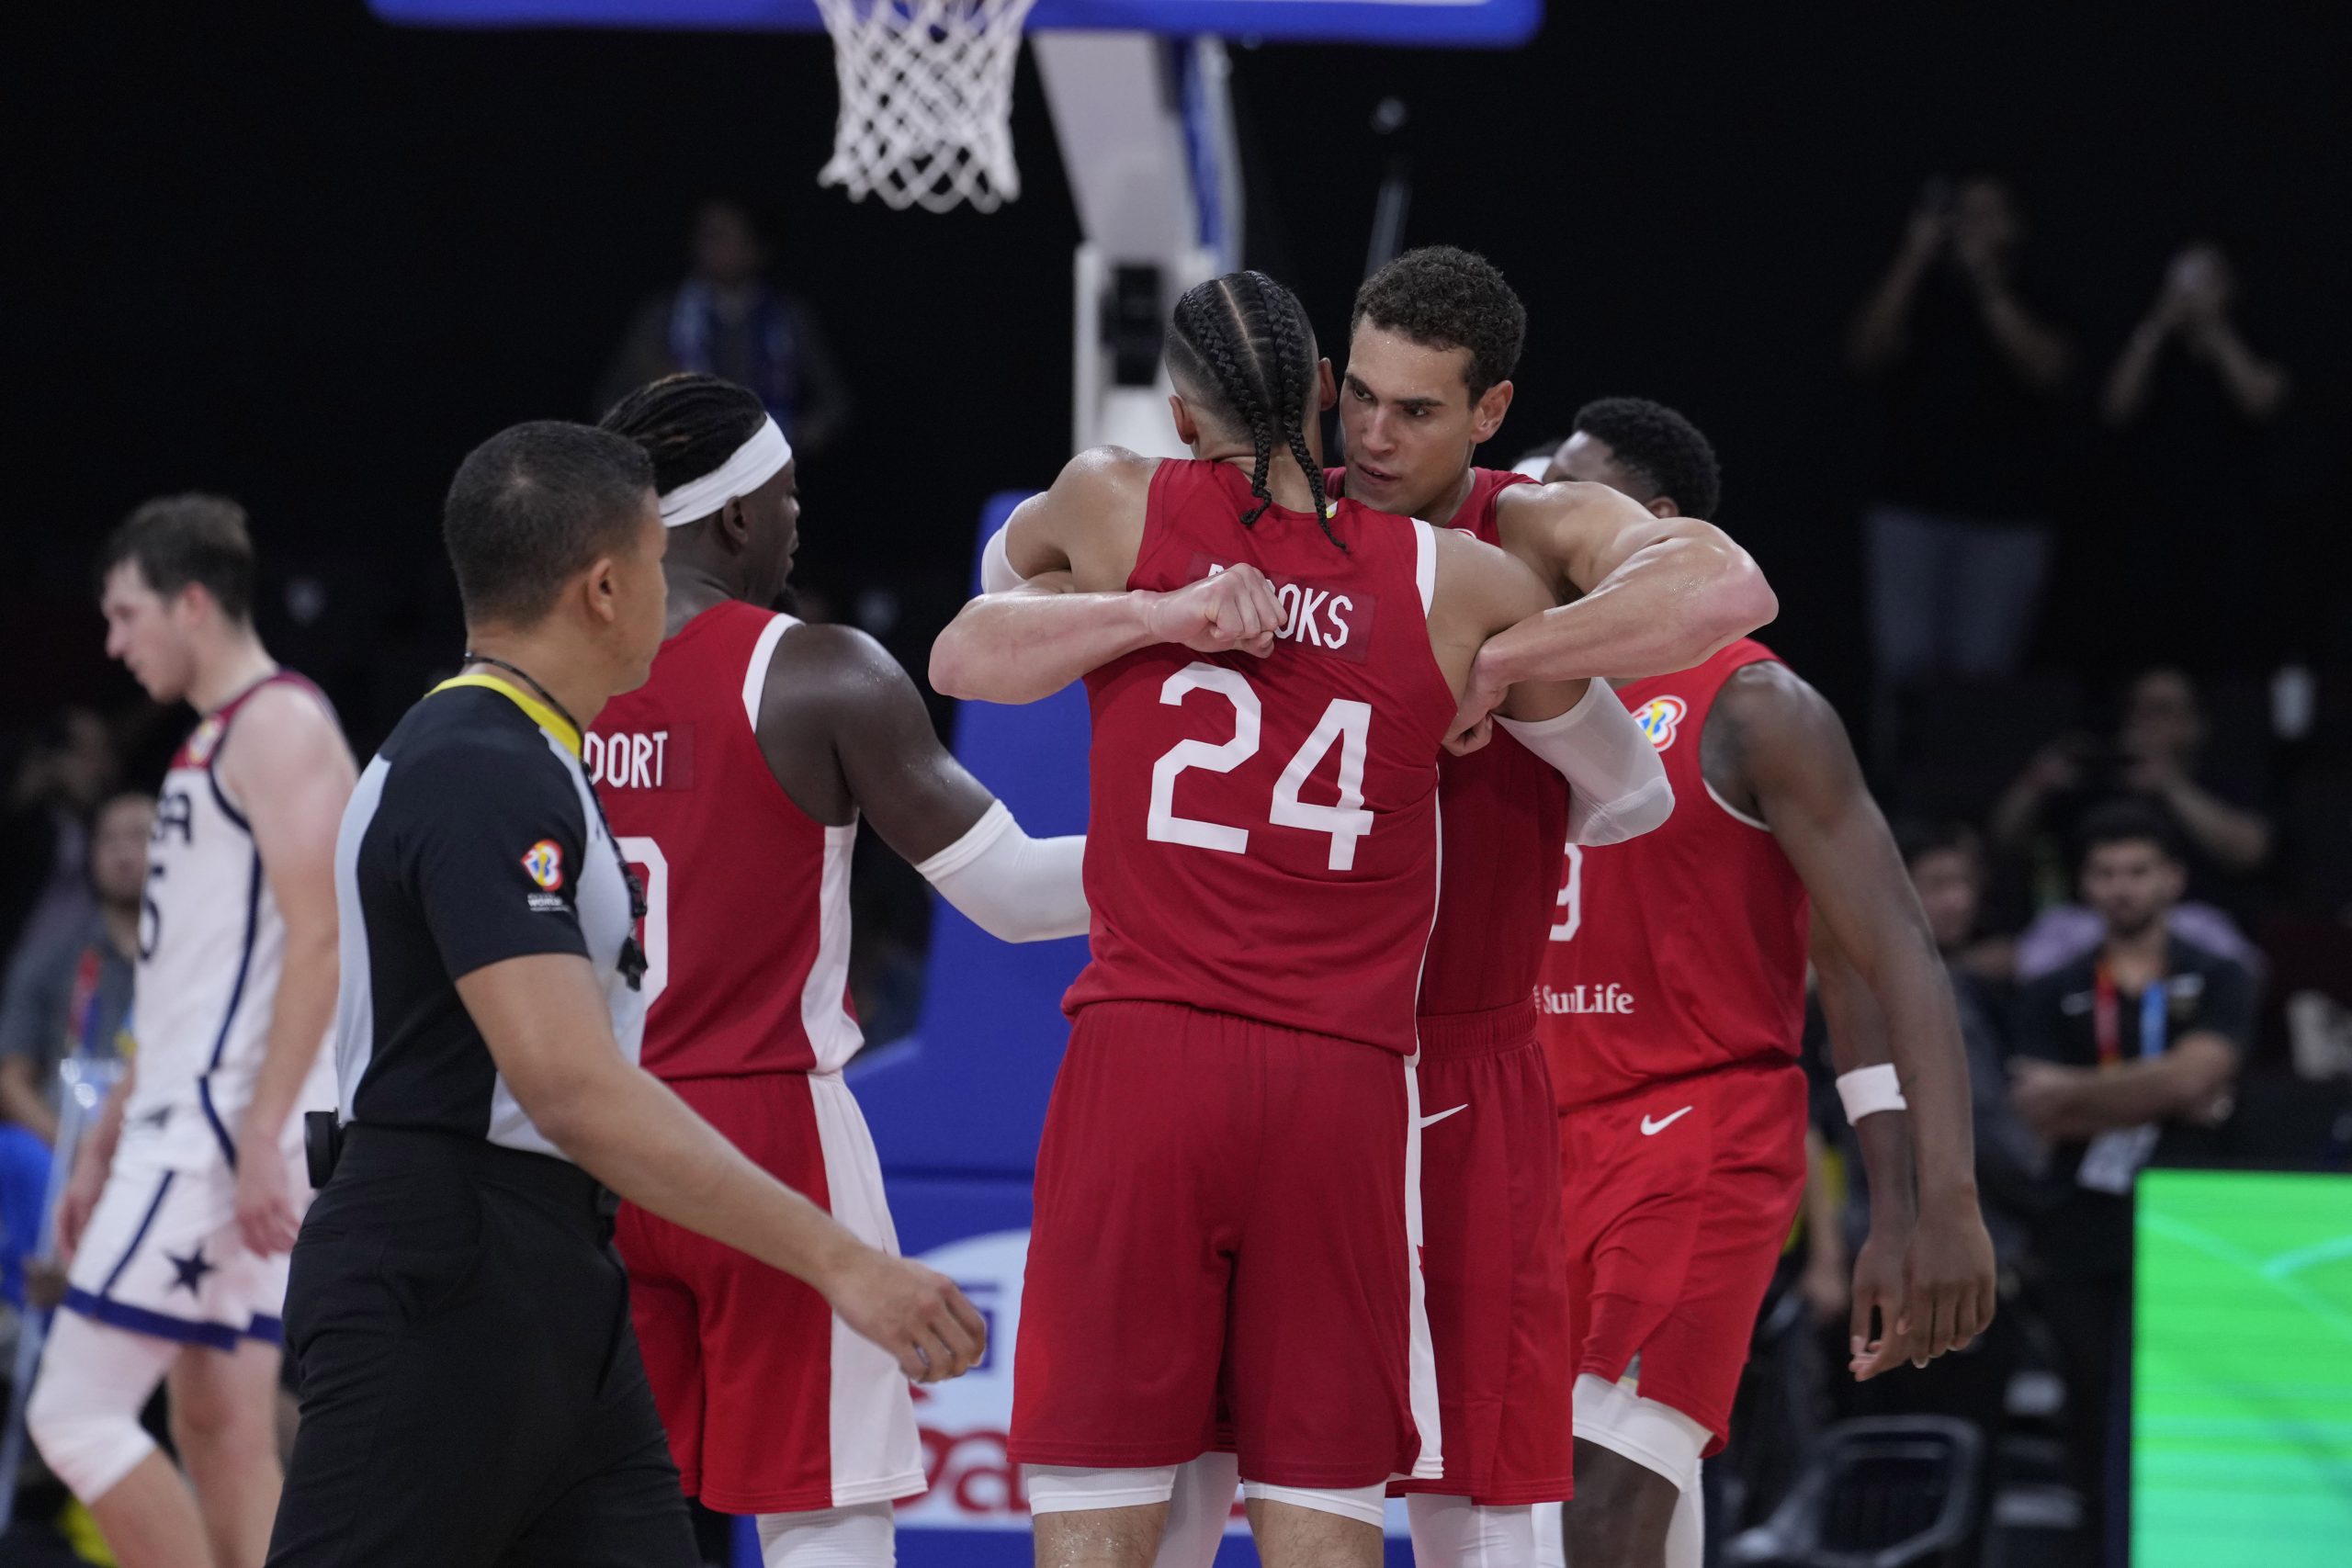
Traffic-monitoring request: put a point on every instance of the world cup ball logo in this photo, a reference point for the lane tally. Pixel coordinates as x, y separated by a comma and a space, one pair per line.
543, 862
1659, 718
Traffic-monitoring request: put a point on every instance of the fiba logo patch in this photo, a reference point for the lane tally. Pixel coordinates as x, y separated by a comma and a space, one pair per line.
200, 744
1659, 718
543, 862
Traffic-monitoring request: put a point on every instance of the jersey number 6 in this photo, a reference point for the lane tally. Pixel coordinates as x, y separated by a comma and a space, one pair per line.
1345, 723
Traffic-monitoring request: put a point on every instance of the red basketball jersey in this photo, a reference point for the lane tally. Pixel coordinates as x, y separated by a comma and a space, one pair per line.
746, 929
1683, 950
1263, 837
1506, 813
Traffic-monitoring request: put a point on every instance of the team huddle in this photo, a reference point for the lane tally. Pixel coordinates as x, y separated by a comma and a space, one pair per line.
1431, 1121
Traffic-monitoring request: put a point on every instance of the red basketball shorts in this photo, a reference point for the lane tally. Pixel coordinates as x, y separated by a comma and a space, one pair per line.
1496, 1260
772, 1405
1224, 1217
1679, 1200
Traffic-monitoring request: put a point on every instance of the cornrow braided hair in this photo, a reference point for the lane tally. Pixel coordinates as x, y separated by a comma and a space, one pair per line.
1244, 340
688, 424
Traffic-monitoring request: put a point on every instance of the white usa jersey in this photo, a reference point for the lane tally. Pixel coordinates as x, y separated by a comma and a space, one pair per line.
211, 945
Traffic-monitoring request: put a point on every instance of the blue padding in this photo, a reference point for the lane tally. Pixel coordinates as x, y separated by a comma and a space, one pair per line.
24, 1186
965, 1093
1478, 23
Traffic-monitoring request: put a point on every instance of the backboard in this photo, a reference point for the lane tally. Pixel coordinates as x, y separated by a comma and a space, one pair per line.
1472, 23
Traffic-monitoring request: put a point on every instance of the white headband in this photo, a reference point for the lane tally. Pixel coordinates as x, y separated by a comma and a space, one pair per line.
755, 463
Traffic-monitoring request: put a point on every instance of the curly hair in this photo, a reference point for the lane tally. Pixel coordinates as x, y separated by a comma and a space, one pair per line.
1242, 342
1661, 445
1443, 298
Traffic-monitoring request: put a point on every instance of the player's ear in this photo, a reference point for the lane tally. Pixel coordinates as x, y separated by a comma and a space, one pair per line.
1486, 414
735, 523
1188, 429
1664, 506
1326, 385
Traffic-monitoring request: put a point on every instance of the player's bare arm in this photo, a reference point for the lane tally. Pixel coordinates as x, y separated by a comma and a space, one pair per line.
1075, 545
2069, 1104
286, 766
1483, 592
1857, 1038
1774, 747
92, 1160
1633, 594
846, 733
546, 1025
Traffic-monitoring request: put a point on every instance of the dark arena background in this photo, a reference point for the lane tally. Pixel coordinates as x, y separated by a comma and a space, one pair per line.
307, 257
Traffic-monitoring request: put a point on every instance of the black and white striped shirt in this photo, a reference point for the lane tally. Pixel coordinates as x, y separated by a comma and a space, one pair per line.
472, 838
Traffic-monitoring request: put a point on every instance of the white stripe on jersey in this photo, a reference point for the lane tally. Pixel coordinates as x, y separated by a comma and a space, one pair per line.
833, 1034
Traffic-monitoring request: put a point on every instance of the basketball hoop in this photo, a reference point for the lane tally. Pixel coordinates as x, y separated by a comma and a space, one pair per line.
926, 87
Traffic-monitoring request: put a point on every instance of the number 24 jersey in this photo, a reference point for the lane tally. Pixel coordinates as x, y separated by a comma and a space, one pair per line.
1263, 836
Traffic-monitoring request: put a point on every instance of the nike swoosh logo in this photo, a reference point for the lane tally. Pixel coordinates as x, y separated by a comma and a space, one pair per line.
1651, 1129
1433, 1120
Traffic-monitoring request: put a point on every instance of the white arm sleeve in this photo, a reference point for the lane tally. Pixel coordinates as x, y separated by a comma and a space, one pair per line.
1616, 782
1012, 887
997, 575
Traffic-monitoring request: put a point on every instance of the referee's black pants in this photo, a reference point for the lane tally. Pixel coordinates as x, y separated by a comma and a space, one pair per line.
472, 1395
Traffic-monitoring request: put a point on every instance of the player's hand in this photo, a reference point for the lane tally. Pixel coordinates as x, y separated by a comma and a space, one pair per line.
1875, 1308
1949, 1287
1230, 610
916, 1313
268, 1217
75, 1205
1473, 721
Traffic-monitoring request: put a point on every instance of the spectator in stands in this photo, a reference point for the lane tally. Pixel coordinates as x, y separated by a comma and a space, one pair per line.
2124, 1057
2160, 756
73, 993
728, 320
70, 767
1959, 539
2191, 404
2191, 312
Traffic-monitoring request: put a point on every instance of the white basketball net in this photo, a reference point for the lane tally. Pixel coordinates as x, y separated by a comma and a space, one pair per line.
926, 100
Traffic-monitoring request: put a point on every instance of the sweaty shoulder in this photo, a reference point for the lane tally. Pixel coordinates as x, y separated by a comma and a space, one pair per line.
1087, 522
1770, 724
1559, 529
827, 666
828, 685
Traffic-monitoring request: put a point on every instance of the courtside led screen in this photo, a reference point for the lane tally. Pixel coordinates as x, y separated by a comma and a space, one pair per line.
2242, 1371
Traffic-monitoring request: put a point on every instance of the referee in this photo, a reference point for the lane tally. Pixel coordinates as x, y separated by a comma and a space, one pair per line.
472, 1390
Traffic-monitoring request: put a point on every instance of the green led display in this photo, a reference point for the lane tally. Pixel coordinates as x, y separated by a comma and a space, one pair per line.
2242, 1371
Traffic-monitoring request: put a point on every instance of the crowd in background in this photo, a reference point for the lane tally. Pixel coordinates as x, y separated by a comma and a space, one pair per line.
2169, 774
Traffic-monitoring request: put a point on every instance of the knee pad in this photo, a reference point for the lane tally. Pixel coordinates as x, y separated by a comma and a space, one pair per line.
1655, 1436
1069, 1489
88, 1449
864, 1535
1457, 1530
1369, 1504
84, 1414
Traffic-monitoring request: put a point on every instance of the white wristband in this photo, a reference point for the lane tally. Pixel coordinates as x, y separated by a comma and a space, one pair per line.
1867, 1091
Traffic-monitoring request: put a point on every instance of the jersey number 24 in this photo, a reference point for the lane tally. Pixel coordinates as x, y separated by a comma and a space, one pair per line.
1346, 724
